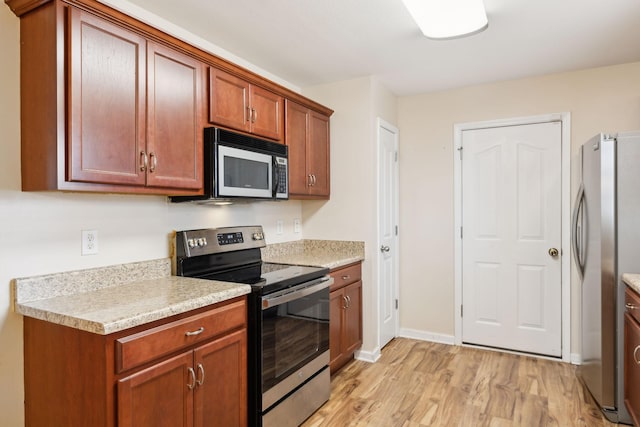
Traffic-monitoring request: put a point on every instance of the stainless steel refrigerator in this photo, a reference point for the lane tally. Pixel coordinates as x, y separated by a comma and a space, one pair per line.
606, 244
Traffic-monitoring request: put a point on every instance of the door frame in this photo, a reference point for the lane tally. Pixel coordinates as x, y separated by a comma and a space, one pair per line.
458, 128
380, 124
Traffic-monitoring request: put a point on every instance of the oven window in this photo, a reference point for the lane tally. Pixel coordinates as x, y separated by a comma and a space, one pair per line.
293, 334
243, 173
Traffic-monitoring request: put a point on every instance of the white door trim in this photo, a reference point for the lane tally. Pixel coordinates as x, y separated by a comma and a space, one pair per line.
565, 119
396, 239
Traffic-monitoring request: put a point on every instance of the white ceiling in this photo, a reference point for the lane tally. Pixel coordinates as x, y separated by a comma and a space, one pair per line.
311, 42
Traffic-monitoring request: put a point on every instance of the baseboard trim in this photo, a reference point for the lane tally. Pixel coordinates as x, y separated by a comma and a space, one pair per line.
576, 359
427, 336
368, 356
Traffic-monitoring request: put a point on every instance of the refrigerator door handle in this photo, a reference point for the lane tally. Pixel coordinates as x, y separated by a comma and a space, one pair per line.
576, 239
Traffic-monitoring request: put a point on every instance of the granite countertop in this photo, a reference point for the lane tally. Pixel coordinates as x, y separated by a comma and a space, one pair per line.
318, 253
632, 280
111, 299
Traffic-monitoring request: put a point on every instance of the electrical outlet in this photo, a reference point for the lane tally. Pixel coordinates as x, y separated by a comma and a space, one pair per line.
89, 242
279, 227
296, 225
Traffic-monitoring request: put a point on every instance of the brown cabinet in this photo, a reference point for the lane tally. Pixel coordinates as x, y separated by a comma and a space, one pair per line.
345, 315
240, 105
112, 111
185, 371
632, 355
307, 135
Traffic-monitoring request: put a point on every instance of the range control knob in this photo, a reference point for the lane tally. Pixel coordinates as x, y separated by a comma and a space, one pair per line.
258, 236
191, 243
202, 241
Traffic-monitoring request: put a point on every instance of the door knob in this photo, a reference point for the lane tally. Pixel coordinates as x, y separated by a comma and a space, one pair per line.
553, 252
384, 248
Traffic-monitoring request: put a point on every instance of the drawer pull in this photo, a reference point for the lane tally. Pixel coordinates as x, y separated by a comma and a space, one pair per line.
196, 332
635, 354
346, 277
200, 379
192, 374
630, 306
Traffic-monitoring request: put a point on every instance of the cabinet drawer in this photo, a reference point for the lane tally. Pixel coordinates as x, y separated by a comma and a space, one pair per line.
632, 303
345, 276
145, 346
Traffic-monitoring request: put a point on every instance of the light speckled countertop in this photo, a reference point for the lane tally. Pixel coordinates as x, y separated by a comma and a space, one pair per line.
110, 299
632, 280
319, 253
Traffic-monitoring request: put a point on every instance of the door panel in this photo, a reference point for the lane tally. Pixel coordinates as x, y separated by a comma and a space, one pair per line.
511, 219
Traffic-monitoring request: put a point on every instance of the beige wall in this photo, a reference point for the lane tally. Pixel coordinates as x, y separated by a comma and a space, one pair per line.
40, 232
351, 212
599, 100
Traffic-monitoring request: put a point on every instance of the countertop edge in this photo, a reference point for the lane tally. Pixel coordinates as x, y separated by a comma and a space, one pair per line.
632, 280
106, 328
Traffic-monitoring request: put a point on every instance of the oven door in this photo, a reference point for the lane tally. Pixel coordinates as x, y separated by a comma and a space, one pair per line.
243, 173
295, 337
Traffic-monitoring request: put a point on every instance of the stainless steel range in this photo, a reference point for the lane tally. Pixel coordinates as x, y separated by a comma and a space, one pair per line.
288, 349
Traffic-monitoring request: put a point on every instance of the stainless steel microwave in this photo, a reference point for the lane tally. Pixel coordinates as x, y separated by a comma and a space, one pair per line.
242, 167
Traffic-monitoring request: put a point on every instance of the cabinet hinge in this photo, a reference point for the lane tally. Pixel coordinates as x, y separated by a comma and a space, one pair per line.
396, 230
396, 156
460, 151
396, 303
461, 232
461, 311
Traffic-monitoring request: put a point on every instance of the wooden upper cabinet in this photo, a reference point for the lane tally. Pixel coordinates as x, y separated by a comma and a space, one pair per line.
238, 104
318, 154
107, 102
105, 109
174, 115
307, 136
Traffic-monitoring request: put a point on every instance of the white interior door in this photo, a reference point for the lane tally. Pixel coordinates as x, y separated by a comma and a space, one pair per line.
388, 231
511, 228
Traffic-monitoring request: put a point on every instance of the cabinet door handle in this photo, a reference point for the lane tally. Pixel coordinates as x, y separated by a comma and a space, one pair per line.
309, 181
196, 332
344, 305
635, 354
192, 374
249, 114
348, 301
315, 181
200, 379
143, 161
254, 117
630, 306
154, 162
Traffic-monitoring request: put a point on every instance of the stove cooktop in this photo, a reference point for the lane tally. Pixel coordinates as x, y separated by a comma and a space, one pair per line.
266, 278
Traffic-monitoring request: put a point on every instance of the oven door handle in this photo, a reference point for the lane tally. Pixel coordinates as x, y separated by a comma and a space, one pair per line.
297, 292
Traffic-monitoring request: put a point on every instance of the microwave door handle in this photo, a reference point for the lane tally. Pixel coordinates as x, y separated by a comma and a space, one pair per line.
275, 175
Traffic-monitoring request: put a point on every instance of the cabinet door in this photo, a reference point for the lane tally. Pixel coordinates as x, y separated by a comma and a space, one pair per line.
106, 102
221, 395
296, 135
353, 319
318, 154
337, 305
175, 131
266, 114
632, 367
158, 396
228, 100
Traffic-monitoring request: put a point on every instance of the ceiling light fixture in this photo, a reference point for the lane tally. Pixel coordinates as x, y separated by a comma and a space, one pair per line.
448, 19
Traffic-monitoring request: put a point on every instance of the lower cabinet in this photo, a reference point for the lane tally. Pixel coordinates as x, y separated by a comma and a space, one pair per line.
189, 370
632, 356
210, 393
345, 315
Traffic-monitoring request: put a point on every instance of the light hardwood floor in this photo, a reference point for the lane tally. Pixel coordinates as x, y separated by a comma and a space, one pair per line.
418, 383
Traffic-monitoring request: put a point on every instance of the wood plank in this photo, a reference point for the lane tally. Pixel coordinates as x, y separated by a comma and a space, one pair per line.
417, 384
